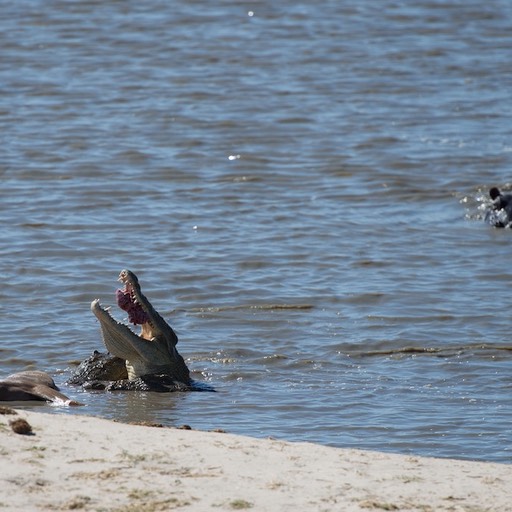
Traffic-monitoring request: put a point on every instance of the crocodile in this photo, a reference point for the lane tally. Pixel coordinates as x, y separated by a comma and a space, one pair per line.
152, 361
103, 371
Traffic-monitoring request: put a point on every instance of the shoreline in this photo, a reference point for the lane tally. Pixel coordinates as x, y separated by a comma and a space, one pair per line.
77, 462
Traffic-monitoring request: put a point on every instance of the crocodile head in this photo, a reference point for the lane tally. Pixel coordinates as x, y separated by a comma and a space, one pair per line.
153, 350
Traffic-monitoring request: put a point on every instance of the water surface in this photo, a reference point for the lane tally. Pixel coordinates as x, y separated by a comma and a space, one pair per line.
297, 187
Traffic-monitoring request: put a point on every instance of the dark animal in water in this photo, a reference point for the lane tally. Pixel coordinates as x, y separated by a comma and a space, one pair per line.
99, 367
103, 371
500, 213
148, 361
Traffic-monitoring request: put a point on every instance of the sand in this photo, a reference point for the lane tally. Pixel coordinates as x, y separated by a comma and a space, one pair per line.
75, 462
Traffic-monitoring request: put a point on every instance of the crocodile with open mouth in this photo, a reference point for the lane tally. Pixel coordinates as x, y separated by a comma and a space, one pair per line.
152, 361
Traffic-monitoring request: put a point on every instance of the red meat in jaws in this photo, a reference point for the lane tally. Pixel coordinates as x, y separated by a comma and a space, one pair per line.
126, 302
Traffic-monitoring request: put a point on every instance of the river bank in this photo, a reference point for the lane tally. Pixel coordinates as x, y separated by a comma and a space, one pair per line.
72, 462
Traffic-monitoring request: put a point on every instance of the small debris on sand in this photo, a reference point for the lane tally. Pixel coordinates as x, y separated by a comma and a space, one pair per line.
21, 426
7, 410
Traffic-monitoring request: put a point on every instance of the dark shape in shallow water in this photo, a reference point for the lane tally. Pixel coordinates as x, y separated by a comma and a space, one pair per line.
500, 213
103, 371
99, 367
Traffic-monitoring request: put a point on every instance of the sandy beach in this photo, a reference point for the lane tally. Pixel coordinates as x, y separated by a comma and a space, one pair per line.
75, 462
